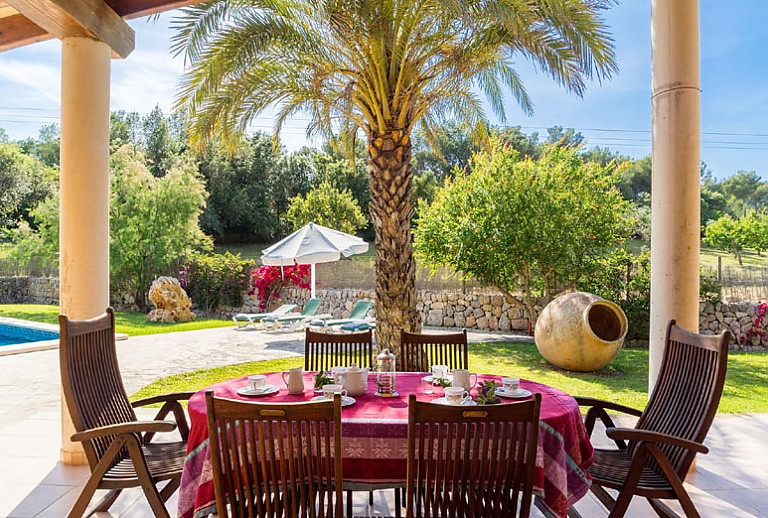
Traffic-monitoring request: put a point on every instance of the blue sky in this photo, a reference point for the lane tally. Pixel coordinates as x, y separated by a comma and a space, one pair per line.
734, 77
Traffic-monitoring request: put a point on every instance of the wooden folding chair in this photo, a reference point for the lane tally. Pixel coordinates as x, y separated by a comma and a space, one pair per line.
116, 444
653, 458
471, 461
275, 460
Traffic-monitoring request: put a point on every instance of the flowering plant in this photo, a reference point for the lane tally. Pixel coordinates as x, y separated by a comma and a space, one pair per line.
268, 281
486, 393
758, 328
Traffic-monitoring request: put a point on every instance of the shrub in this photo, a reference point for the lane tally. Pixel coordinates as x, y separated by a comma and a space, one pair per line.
268, 281
216, 280
327, 206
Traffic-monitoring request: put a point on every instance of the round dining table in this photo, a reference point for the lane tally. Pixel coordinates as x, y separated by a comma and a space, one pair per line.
375, 441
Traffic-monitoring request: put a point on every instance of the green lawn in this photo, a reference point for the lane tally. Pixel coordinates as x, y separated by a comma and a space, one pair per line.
624, 381
132, 324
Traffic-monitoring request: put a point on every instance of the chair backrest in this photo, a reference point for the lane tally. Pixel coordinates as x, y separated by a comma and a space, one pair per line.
471, 461
418, 351
90, 377
687, 392
310, 308
360, 309
274, 459
283, 310
325, 350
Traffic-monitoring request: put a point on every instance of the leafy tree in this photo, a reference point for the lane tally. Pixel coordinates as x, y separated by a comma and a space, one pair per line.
725, 233
744, 190
239, 188
159, 143
38, 243
47, 145
24, 182
534, 227
291, 176
4, 136
124, 128
753, 229
383, 67
425, 187
527, 145
327, 206
564, 137
153, 221
333, 168
635, 183
450, 149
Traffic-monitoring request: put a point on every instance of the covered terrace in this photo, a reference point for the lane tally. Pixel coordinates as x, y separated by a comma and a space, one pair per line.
93, 32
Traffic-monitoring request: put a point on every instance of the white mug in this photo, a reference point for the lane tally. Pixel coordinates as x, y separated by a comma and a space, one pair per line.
456, 395
439, 371
462, 378
257, 381
295, 381
510, 384
330, 390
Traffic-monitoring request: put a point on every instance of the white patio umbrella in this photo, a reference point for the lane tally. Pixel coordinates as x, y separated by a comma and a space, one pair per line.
313, 244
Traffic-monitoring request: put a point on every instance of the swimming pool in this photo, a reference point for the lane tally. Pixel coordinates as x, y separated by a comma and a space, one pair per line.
31, 335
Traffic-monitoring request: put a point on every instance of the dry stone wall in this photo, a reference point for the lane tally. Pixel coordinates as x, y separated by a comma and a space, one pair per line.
442, 309
739, 318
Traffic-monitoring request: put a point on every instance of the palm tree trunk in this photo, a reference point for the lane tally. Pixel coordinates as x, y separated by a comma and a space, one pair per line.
391, 209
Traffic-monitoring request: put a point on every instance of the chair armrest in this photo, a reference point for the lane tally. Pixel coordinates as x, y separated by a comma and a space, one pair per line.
607, 405
136, 427
633, 434
163, 398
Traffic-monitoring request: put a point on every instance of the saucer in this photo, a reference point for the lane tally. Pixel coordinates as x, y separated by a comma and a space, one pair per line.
266, 391
519, 393
443, 401
345, 400
430, 379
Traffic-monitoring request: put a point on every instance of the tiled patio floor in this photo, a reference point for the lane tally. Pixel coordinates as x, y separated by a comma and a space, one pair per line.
731, 481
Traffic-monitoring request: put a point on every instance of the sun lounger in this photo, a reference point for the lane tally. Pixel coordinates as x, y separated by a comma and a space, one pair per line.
253, 318
356, 327
358, 315
296, 320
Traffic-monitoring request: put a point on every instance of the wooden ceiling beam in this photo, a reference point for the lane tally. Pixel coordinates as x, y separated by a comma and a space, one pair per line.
84, 18
17, 31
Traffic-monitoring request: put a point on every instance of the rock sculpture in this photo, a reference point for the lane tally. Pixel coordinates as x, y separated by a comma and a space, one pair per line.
171, 301
580, 332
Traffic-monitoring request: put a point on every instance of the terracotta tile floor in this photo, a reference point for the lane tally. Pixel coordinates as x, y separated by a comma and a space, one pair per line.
731, 481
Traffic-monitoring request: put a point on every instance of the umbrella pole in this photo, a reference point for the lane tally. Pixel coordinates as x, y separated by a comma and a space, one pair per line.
312, 276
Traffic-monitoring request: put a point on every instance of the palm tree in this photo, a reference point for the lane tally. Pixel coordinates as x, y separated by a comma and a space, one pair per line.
382, 68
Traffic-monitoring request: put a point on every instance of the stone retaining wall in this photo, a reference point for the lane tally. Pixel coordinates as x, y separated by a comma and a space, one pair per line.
739, 318
29, 290
444, 309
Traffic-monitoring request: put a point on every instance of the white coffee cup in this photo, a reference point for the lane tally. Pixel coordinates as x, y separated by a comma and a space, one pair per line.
332, 389
510, 384
439, 371
257, 381
455, 395
463, 378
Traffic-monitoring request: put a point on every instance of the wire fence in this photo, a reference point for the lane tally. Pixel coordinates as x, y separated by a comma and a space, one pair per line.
739, 283
742, 283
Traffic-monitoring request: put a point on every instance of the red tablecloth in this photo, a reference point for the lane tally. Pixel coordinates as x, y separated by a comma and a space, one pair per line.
374, 441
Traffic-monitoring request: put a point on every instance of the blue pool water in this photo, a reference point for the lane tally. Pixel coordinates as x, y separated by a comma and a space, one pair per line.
13, 334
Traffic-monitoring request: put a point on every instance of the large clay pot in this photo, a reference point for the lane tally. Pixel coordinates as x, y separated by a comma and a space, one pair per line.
580, 331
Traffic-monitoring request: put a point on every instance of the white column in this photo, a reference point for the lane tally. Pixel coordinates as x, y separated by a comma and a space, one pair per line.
675, 199
84, 206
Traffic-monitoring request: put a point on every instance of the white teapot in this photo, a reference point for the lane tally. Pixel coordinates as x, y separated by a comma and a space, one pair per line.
355, 380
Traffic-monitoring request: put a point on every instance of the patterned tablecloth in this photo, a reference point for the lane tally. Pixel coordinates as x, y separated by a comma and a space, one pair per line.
374, 442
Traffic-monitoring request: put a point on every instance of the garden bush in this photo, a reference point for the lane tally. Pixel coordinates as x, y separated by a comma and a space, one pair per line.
216, 280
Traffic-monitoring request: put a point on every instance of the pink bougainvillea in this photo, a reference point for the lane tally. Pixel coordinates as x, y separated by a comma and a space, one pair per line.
758, 328
268, 281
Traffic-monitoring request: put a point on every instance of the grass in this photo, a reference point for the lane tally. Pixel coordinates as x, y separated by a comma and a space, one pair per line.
624, 380
132, 324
